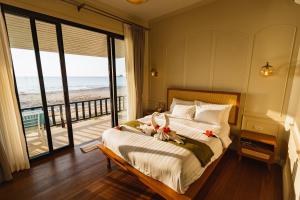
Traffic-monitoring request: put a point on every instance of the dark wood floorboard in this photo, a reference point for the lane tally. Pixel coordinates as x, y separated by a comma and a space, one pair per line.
74, 175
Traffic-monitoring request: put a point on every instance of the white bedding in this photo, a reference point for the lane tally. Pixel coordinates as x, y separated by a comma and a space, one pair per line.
174, 166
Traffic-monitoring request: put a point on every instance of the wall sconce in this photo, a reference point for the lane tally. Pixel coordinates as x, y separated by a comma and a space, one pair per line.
154, 73
267, 70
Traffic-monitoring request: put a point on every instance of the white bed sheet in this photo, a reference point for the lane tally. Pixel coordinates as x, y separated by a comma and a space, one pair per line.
174, 166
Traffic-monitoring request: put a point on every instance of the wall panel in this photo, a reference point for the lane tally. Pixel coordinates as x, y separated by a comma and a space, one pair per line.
266, 94
174, 62
198, 53
231, 53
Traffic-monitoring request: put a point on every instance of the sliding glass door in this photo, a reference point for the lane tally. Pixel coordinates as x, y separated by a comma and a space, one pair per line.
28, 84
121, 80
53, 83
88, 82
38, 74
70, 80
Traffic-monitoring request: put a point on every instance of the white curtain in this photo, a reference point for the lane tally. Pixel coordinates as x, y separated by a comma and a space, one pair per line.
13, 154
134, 56
5, 172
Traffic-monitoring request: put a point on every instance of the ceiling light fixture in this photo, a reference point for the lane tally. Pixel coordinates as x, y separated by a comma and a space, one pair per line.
136, 1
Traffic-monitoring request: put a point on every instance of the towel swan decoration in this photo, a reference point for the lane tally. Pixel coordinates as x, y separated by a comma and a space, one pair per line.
153, 128
160, 131
160, 134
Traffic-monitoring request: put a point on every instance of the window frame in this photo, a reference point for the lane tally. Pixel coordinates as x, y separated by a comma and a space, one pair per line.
58, 22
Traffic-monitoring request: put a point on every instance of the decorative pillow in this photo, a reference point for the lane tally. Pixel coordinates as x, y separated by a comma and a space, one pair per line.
224, 107
208, 115
180, 102
183, 111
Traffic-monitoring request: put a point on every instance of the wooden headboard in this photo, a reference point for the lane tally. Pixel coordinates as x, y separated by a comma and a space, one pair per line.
216, 97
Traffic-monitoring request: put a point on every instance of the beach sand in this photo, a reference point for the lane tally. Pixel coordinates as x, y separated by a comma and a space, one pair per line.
28, 100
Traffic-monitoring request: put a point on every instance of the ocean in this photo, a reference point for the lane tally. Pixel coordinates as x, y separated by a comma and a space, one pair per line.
27, 85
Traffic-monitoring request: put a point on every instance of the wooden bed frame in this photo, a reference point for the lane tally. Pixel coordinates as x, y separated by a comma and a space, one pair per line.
159, 187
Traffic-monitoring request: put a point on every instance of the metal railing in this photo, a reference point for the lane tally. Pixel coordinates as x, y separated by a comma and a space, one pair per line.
80, 110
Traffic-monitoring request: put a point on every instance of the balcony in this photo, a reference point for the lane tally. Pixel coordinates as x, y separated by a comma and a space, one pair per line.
89, 119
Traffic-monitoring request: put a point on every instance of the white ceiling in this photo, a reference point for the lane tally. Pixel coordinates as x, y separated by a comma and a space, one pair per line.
151, 9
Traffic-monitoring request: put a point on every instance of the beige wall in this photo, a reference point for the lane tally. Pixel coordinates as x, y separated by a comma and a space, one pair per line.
221, 46
293, 140
294, 103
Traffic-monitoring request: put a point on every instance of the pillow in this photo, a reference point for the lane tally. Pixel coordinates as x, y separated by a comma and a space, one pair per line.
224, 107
179, 102
208, 115
183, 111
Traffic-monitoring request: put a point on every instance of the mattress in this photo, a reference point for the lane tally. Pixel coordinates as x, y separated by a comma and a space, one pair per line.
170, 164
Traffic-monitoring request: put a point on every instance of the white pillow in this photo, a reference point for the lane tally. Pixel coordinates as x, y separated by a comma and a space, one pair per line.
224, 107
208, 115
179, 102
184, 111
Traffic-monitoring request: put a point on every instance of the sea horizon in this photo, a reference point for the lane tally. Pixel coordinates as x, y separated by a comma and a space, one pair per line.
30, 84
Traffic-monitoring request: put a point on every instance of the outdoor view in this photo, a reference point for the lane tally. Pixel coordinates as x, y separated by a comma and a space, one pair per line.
87, 78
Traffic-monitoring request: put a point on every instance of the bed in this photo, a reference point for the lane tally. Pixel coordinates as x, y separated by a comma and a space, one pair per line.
169, 170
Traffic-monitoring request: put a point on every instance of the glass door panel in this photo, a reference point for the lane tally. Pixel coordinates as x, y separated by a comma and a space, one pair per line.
27, 83
50, 61
86, 60
89, 91
121, 81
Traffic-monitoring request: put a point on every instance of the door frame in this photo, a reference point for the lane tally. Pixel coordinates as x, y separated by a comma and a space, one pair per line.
35, 16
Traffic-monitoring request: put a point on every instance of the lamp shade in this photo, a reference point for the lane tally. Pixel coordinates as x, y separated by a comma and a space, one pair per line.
267, 70
136, 1
154, 72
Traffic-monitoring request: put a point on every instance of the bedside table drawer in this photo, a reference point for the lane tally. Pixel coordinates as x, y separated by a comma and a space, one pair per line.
260, 126
255, 154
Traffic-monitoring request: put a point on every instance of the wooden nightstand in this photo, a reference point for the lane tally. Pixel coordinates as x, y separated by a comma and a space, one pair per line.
257, 146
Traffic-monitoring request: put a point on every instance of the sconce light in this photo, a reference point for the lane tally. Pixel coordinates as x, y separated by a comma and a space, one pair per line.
267, 70
154, 73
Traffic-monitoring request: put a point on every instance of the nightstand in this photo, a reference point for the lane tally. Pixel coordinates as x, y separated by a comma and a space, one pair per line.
257, 146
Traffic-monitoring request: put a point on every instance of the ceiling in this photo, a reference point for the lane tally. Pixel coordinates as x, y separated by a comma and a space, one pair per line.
151, 9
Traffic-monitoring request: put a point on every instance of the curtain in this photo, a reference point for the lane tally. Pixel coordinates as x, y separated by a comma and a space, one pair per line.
5, 173
13, 154
134, 56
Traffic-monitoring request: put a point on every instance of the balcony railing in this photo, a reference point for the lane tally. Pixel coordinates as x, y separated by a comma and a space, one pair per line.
80, 110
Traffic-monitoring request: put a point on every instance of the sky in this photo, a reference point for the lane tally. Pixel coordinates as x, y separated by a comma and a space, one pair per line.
76, 65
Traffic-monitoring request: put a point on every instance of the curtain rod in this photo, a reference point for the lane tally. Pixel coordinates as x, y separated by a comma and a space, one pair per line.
101, 12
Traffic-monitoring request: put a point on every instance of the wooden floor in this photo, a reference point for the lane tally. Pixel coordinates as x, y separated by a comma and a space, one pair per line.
74, 175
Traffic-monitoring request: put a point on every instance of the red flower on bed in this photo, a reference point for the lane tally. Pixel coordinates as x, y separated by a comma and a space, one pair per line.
209, 133
156, 127
166, 130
